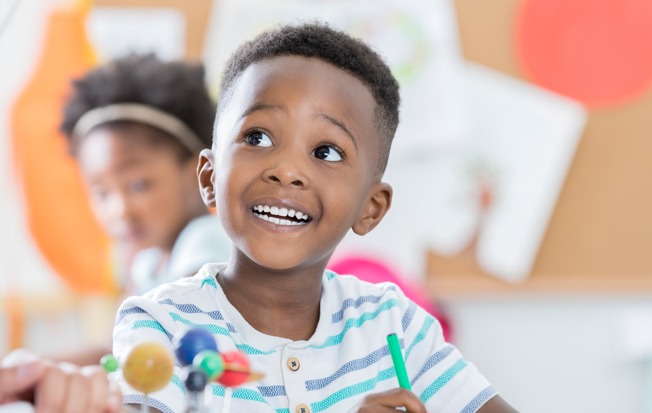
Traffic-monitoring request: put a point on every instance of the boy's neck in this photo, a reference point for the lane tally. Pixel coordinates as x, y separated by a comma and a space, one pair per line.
282, 304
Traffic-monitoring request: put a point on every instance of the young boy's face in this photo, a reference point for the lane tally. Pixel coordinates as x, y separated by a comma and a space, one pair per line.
141, 193
295, 162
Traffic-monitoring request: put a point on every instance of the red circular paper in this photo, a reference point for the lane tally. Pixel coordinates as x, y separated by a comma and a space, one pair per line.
596, 51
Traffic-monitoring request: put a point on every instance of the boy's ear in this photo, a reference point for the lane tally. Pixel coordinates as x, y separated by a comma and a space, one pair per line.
205, 173
375, 209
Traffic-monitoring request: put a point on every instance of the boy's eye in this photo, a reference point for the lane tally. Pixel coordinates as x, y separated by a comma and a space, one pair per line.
328, 153
257, 138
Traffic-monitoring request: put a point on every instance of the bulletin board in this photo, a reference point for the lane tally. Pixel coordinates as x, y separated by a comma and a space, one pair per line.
599, 238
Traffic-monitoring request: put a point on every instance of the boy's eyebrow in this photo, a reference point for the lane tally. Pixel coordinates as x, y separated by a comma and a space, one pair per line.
257, 107
340, 125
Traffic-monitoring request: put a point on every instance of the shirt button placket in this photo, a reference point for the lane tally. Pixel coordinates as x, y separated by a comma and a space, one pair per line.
294, 364
294, 376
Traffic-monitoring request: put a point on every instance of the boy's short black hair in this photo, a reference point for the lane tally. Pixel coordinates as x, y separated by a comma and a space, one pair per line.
320, 41
177, 88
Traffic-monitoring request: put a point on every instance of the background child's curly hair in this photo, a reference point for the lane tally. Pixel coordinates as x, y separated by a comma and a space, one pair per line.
177, 88
337, 48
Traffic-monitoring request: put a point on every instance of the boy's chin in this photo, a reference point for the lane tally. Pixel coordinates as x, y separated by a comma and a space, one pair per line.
282, 263
277, 265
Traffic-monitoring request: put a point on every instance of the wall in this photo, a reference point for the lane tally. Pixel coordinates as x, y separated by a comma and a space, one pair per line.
553, 353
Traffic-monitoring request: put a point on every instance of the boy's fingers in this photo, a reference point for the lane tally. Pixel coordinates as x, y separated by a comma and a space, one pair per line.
399, 397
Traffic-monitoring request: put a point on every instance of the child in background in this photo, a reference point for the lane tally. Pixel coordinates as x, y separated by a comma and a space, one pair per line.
304, 125
136, 126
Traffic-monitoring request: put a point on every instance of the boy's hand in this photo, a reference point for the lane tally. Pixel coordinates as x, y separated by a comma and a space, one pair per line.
56, 387
388, 401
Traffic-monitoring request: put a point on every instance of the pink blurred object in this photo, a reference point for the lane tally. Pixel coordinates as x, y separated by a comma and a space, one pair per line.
373, 271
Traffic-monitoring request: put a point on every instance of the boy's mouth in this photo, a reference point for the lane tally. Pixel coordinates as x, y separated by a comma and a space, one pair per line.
281, 215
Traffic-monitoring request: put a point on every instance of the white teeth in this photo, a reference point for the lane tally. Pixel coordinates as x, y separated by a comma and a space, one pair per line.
280, 212
278, 221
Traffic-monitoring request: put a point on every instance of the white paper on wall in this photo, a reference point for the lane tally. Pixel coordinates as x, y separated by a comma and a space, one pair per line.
521, 142
117, 31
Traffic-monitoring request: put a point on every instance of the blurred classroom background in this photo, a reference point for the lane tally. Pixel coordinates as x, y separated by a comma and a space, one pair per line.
522, 172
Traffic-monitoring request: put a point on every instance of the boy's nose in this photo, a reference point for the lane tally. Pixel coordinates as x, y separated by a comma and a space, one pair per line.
285, 173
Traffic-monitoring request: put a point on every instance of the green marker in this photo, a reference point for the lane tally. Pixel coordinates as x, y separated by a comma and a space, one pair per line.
399, 364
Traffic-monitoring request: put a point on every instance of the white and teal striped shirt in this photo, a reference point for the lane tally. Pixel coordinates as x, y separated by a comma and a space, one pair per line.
345, 359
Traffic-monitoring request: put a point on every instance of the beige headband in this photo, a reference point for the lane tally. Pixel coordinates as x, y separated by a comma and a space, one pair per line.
142, 114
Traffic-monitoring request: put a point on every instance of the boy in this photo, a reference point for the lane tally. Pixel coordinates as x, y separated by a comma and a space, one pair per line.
301, 140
